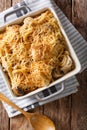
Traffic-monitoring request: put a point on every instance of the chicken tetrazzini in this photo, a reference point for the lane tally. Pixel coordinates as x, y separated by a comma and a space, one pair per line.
34, 53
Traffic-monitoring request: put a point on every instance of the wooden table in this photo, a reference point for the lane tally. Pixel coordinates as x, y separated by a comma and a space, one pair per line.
69, 113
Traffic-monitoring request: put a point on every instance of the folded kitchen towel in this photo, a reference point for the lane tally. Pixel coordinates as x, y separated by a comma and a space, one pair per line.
77, 41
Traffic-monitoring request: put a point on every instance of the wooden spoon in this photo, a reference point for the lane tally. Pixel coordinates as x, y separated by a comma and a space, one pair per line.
36, 121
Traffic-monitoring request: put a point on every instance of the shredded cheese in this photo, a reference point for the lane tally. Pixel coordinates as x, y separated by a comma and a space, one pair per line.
31, 51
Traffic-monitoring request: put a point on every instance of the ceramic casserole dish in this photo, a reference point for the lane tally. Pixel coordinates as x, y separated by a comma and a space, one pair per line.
70, 48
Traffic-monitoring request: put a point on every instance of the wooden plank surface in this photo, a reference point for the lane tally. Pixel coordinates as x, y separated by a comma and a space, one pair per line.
4, 5
66, 7
79, 16
79, 100
4, 120
69, 113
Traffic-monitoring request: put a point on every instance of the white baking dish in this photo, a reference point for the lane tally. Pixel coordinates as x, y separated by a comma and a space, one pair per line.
72, 52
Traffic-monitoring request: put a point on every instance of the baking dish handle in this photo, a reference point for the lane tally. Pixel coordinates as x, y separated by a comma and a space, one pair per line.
23, 8
51, 95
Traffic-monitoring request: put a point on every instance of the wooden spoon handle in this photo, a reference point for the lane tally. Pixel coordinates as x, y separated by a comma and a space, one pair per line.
5, 99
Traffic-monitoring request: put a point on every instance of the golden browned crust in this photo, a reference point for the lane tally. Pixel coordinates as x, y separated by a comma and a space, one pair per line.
34, 54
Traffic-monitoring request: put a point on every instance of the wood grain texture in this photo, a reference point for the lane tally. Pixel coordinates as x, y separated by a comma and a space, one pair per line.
4, 120
79, 105
19, 123
79, 100
65, 6
79, 16
4, 5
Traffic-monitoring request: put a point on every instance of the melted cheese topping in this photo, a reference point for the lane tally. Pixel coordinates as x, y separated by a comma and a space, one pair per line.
34, 54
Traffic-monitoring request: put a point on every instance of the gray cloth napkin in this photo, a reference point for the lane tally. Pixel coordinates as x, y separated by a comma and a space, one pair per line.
77, 41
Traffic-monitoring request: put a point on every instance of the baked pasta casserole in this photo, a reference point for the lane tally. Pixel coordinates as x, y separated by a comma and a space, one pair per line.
34, 53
